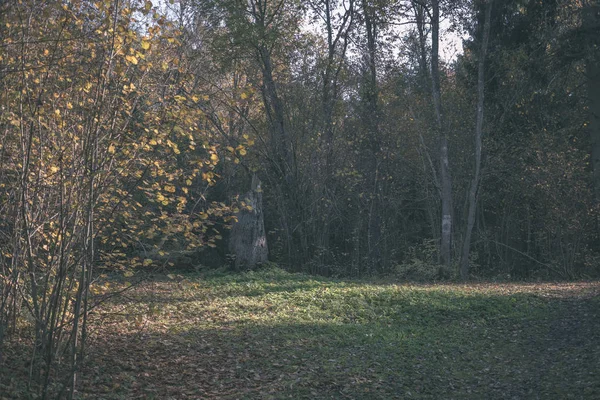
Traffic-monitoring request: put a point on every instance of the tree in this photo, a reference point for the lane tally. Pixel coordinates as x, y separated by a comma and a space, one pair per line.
99, 152
444, 160
370, 118
474, 188
591, 29
248, 240
535, 217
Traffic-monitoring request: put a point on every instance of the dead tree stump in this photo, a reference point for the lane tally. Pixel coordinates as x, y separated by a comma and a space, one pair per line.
248, 241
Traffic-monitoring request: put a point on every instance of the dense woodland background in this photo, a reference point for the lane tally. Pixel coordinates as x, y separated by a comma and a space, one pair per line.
131, 133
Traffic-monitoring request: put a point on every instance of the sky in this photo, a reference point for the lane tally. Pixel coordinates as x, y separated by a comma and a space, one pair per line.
450, 42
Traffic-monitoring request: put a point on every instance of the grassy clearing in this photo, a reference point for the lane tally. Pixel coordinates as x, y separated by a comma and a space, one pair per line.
275, 335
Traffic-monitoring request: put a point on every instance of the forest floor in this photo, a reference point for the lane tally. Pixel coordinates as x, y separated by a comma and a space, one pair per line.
275, 335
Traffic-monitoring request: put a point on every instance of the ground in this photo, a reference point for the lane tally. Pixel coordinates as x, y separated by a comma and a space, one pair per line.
276, 335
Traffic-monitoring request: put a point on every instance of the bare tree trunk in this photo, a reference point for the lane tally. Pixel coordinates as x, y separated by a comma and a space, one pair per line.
372, 124
248, 241
335, 56
464, 262
593, 71
284, 157
591, 26
275, 113
419, 12
338, 29
591, 23
445, 177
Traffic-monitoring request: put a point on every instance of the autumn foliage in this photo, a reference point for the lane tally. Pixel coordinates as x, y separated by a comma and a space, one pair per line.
103, 158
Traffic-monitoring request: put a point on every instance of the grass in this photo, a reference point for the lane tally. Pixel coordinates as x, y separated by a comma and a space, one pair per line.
276, 335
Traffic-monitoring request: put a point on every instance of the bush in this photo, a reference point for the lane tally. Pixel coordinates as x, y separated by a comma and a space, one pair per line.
421, 263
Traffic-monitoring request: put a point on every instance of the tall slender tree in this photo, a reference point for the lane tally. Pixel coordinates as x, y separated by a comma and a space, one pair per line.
475, 183
444, 159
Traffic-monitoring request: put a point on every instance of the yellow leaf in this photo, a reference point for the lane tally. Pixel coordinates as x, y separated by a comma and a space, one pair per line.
147, 262
145, 44
243, 152
111, 149
188, 182
128, 274
214, 157
132, 59
244, 96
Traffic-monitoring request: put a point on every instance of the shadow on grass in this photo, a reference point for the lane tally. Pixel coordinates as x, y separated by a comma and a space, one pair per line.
286, 336
432, 347
342, 361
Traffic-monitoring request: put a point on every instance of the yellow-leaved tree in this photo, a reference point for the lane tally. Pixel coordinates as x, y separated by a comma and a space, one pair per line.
102, 159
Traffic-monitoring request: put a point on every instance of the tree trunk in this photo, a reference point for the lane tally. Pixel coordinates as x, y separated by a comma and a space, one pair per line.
591, 24
248, 241
445, 177
371, 119
275, 114
419, 11
594, 95
336, 53
591, 27
464, 262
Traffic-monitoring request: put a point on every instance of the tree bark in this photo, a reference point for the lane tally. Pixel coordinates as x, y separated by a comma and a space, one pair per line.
372, 123
275, 114
248, 241
594, 94
333, 68
475, 183
591, 25
419, 12
445, 176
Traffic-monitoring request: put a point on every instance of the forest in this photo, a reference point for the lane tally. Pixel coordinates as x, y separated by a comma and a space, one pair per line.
410, 183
